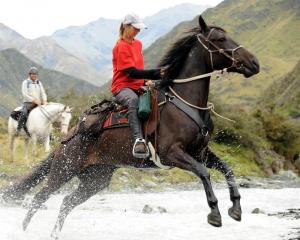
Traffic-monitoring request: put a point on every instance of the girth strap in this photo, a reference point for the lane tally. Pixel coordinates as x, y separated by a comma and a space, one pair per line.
191, 112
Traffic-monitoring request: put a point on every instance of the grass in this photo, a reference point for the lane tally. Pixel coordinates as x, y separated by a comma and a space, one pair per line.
11, 170
241, 159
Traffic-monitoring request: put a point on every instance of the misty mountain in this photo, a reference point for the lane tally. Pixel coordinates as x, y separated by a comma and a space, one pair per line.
49, 54
93, 42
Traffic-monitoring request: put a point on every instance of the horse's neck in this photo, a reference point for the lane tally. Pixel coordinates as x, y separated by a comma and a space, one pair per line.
195, 92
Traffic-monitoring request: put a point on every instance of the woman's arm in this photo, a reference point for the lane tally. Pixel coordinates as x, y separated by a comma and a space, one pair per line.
153, 74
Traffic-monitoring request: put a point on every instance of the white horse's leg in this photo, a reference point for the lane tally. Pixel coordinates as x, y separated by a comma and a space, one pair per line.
12, 146
26, 150
47, 144
11, 137
34, 151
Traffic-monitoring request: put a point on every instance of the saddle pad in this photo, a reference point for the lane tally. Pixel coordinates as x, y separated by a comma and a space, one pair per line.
15, 115
116, 119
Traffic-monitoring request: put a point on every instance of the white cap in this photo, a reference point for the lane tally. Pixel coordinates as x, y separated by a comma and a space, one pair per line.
134, 20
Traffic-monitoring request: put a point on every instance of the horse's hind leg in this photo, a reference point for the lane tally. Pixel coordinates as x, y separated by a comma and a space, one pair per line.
214, 162
26, 151
41, 197
34, 140
12, 146
56, 179
65, 165
92, 180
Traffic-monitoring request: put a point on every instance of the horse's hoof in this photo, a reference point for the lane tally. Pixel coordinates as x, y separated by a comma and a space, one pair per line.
54, 235
235, 214
214, 220
25, 225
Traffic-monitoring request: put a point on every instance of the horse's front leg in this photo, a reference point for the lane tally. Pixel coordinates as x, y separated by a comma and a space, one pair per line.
47, 143
183, 160
26, 151
214, 162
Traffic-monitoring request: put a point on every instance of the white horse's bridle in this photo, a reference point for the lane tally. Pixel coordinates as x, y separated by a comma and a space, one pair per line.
52, 117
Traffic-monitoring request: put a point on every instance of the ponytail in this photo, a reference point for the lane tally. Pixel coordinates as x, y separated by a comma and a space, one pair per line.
121, 31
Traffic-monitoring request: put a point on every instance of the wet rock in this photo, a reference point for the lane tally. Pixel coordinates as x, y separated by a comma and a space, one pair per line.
5, 176
161, 209
244, 185
269, 171
297, 164
148, 209
291, 213
286, 175
257, 211
276, 166
265, 157
150, 184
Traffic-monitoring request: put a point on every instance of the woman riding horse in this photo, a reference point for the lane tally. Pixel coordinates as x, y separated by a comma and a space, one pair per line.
128, 77
181, 141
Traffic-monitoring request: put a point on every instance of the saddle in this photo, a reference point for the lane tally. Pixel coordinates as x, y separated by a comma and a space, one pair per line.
118, 117
15, 115
107, 115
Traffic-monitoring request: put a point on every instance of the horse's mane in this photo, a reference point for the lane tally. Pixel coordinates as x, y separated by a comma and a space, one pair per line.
177, 54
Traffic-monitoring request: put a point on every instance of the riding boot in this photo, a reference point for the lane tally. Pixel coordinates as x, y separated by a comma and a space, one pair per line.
21, 122
140, 149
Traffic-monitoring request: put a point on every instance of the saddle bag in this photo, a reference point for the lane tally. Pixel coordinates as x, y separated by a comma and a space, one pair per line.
144, 105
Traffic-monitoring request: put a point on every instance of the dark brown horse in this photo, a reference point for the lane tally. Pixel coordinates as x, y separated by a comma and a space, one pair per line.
182, 141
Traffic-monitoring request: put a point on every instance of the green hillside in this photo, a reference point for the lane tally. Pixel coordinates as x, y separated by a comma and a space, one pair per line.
268, 28
13, 70
284, 94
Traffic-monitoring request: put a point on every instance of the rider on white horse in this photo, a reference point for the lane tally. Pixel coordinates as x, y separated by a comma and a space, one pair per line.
33, 95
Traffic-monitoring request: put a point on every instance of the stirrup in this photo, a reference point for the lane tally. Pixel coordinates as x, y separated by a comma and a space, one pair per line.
140, 155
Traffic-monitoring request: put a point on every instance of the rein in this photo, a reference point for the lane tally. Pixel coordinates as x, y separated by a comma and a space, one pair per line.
48, 115
210, 106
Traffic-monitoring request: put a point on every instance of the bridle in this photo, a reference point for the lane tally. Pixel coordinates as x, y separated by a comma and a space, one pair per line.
235, 63
49, 116
202, 39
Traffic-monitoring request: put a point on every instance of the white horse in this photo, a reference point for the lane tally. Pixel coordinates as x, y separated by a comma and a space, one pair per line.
39, 125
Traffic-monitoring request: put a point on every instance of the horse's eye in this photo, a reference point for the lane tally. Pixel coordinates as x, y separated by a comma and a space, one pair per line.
221, 39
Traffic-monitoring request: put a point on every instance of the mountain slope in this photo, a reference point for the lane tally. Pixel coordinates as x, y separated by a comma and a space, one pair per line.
284, 94
49, 54
13, 70
94, 42
267, 28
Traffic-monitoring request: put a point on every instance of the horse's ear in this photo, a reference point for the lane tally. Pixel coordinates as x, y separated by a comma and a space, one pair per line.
203, 25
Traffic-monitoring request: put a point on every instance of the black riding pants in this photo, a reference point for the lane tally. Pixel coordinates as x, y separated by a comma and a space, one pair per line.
27, 107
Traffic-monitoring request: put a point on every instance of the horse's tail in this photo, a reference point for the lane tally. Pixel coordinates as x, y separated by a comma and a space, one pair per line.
18, 190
